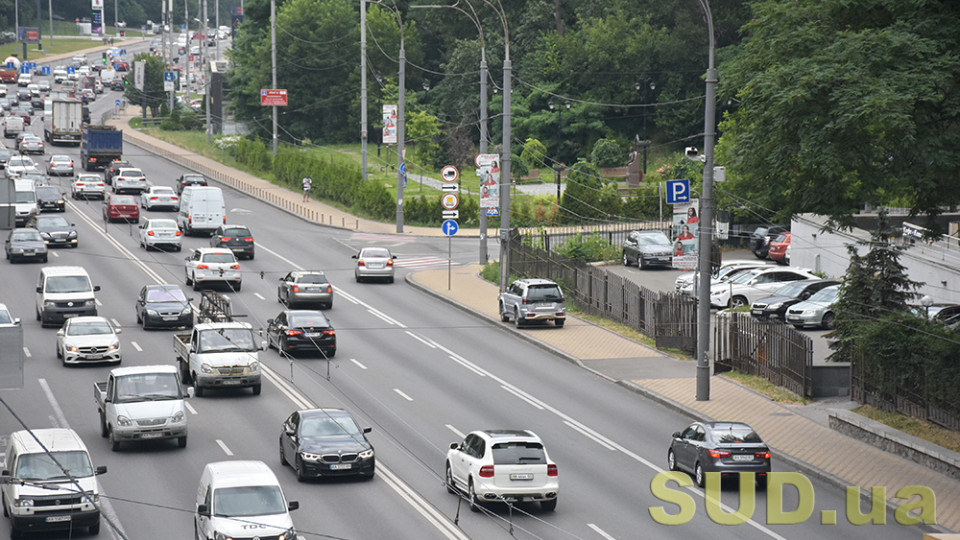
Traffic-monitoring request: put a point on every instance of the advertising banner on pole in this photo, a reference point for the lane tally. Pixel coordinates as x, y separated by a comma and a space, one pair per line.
389, 123
488, 168
685, 232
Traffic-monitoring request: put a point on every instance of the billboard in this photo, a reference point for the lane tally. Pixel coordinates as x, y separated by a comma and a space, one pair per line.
389, 123
28, 35
273, 97
685, 232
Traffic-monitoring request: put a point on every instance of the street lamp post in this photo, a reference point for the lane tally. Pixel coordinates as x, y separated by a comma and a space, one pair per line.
645, 141
557, 166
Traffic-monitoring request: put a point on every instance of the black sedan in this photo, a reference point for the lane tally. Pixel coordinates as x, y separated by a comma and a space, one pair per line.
776, 305
326, 442
301, 330
55, 230
729, 448
25, 245
51, 198
163, 306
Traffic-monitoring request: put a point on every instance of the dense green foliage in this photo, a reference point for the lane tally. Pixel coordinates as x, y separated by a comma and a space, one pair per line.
133, 12
588, 248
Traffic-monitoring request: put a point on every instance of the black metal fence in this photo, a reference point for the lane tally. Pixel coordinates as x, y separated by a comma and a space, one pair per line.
769, 349
668, 318
549, 239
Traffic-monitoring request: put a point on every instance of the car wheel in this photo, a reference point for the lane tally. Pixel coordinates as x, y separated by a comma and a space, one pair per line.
59, 354
236, 287
114, 443
549, 506
472, 498
738, 301
829, 321
504, 317
451, 488
283, 459
299, 469
626, 260
517, 319
45, 258
256, 389
559, 322
196, 284
671, 460
6, 514
184, 372
640, 264
182, 441
198, 390
698, 475
103, 426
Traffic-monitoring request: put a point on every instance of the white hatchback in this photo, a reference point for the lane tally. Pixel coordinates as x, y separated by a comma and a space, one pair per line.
212, 265
88, 185
752, 285
159, 197
160, 233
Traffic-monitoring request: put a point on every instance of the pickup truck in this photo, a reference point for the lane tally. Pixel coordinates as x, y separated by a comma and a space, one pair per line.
142, 403
219, 355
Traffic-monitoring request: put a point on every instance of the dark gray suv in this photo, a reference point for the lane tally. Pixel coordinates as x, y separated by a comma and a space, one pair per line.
647, 248
533, 299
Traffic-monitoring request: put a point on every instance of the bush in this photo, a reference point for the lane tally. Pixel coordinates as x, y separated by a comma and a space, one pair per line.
608, 153
589, 248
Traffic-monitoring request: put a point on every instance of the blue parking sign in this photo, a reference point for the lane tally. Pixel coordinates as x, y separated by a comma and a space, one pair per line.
678, 191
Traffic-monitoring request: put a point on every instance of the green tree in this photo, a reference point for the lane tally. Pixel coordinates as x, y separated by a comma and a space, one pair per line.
845, 103
608, 153
580, 201
153, 94
423, 133
534, 154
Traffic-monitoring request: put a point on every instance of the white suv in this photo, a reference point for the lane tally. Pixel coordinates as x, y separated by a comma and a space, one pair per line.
752, 285
129, 180
210, 265
502, 466
533, 300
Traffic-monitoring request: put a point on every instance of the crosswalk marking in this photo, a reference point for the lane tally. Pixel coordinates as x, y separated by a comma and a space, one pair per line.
421, 262
392, 239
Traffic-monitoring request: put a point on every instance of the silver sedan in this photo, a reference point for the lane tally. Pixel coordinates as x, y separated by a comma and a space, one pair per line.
60, 165
374, 263
306, 287
88, 339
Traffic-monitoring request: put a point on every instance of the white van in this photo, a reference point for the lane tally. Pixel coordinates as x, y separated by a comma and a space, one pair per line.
11, 126
64, 292
25, 200
37, 495
201, 210
237, 496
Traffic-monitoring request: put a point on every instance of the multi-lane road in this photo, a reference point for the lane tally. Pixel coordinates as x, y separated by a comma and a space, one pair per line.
420, 372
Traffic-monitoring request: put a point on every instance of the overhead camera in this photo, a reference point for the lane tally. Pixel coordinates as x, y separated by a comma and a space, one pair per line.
693, 154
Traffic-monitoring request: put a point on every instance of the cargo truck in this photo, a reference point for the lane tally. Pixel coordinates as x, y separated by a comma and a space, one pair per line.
66, 121
99, 145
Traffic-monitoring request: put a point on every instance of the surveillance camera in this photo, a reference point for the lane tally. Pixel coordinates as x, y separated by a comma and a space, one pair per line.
691, 152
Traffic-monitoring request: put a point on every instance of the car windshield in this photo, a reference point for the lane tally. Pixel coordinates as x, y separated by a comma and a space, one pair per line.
518, 453
26, 197
20, 162
40, 467
743, 277
163, 224
827, 295
89, 328
122, 199
165, 295
68, 284
653, 240
312, 319
131, 172
219, 258
161, 191
60, 158
227, 340
544, 293
735, 435
5, 317
328, 426
48, 192
248, 501
376, 253
81, 179
312, 278
26, 236
237, 231
47, 222
192, 179
147, 386
793, 289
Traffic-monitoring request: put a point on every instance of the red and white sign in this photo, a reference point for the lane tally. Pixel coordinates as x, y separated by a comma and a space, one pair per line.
449, 201
274, 97
449, 173
486, 160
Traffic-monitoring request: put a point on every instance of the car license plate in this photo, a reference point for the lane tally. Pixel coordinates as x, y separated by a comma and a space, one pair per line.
311, 334
340, 466
57, 519
521, 476
152, 435
743, 457
232, 381
169, 318
28, 254
375, 266
69, 315
94, 356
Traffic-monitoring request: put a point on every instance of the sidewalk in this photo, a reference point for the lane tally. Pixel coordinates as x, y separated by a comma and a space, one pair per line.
794, 438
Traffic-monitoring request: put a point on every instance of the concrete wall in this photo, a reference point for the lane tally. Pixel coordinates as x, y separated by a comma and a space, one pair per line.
934, 264
831, 379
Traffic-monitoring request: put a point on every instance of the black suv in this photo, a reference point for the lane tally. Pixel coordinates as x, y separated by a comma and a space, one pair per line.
237, 238
114, 169
189, 179
761, 237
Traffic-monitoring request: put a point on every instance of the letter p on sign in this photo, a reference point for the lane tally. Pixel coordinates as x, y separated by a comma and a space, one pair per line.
678, 191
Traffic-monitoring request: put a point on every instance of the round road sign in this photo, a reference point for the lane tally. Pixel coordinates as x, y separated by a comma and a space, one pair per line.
449, 173
449, 201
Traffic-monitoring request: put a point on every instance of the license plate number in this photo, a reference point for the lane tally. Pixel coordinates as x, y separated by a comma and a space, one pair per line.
340, 466
521, 476
69, 315
57, 519
169, 318
311, 334
376, 266
232, 381
743, 458
152, 435
30, 254
94, 356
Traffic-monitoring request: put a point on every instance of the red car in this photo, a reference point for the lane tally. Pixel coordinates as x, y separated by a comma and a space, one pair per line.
778, 248
121, 207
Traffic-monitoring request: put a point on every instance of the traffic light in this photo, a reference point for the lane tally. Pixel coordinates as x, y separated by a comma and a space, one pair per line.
103, 56
122, 32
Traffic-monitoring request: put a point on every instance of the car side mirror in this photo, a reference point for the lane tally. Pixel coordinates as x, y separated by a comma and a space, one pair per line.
354, 257
96, 288
264, 345
269, 322
454, 446
102, 469
39, 289
367, 429
293, 505
16, 321
290, 432
203, 510
5, 473
676, 435
118, 330
60, 332
191, 392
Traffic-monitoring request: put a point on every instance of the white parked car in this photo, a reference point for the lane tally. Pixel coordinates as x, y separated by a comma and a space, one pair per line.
212, 265
129, 179
88, 339
159, 197
685, 282
160, 233
752, 285
502, 466
88, 185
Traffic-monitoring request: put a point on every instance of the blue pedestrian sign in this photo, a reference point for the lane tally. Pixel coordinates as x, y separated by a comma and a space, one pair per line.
493, 212
678, 191
45, 70
11, 65
71, 69
449, 227
117, 103
169, 76
403, 168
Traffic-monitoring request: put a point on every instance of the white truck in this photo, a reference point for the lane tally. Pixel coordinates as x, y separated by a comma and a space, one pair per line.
66, 122
12, 125
142, 403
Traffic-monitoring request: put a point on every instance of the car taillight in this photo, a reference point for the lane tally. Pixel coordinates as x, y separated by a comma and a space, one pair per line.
329, 332
100, 184
389, 262
235, 266
248, 239
360, 262
762, 455
153, 198
552, 470
524, 301
150, 233
295, 289
329, 289
203, 266
717, 454
486, 471
225, 238
179, 233
294, 332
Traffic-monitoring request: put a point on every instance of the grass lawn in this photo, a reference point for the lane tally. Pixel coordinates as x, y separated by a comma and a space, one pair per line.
57, 46
767, 388
921, 429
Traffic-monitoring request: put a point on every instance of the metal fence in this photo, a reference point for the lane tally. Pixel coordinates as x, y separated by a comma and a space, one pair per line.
769, 349
550, 238
668, 318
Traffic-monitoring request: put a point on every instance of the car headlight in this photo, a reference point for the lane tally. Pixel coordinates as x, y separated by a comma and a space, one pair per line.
366, 454
186, 309
123, 421
205, 368
73, 234
289, 534
777, 305
114, 347
24, 503
44, 235
221, 536
152, 313
16, 250
73, 348
178, 417
254, 366
309, 457
89, 303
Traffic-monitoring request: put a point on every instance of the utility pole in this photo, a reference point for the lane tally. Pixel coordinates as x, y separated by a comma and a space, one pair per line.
206, 71
186, 24
273, 58
217, 5
505, 161
363, 88
39, 27
484, 140
50, 13
116, 17
400, 129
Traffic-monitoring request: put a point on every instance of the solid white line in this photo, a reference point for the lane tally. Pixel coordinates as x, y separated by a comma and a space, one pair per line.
455, 431
438, 520
26, 352
376, 313
54, 253
189, 407
224, 447
521, 395
404, 396
284, 387
258, 295
61, 419
589, 436
99, 303
136, 346
468, 365
361, 366
421, 340
116, 323
600, 531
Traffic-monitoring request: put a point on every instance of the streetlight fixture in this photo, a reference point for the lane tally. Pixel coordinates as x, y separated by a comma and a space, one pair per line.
644, 141
926, 302
557, 166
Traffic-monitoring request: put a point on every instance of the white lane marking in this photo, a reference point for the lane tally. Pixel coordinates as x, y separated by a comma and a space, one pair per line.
296, 397
421, 340
455, 431
105, 507
26, 352
54, 253
136, 346
468, 365
404, 396
189, 407
258, 295
379, 315
116, 323
600, 531
224, 448
359, 365
590, 436
522, 395
99, 303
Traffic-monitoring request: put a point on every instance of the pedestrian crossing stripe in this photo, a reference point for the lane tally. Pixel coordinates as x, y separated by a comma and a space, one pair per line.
393, 239
421, 262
